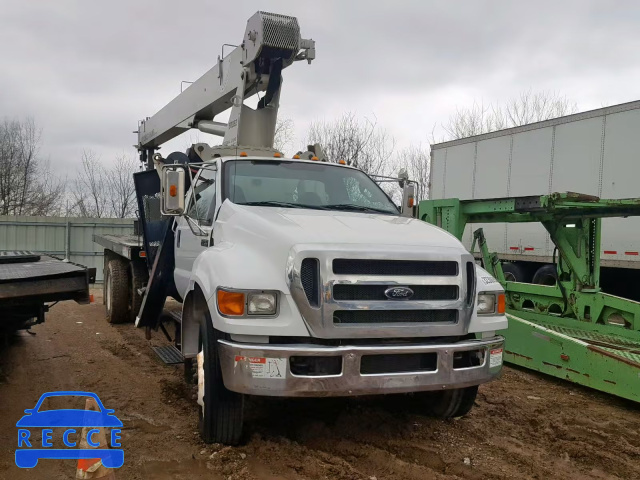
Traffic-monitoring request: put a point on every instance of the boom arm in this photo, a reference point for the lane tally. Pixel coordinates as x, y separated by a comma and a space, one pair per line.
271, 43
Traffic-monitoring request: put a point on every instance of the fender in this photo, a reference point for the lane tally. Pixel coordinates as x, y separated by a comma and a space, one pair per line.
239, 266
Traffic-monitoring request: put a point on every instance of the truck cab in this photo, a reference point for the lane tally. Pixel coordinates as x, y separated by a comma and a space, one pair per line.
303, 278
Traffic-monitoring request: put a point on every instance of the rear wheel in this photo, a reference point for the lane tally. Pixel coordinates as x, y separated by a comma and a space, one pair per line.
221, 410
456, 402
514, 272
546, 275
116, 291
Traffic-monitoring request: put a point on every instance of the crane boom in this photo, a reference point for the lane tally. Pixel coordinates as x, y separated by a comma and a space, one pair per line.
271, 43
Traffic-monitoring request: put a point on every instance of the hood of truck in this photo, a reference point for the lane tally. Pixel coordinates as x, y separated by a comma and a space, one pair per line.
290, 226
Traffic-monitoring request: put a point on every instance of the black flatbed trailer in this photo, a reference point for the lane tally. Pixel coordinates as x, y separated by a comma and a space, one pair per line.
29, 282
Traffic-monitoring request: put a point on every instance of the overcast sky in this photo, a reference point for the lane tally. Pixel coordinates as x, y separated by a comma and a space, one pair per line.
88, 71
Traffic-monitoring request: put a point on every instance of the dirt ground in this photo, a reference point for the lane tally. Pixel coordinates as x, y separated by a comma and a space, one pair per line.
524, 426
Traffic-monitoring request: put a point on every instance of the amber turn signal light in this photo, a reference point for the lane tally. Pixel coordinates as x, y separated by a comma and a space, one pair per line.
231, 303
501, 303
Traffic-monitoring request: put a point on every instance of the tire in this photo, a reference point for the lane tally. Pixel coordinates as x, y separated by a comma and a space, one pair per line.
514, 272
456, 402
116, 284
221, 410
546, 275
138, 276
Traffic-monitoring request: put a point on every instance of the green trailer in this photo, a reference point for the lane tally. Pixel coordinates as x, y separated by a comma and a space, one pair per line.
571, 329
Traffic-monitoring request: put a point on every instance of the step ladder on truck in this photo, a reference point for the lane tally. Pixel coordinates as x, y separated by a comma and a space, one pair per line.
297, 276
571, 330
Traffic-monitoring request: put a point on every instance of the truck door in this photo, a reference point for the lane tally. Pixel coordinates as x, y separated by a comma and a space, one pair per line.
193, 229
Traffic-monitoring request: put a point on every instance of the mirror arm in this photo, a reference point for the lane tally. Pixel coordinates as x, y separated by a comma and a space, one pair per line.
192, 223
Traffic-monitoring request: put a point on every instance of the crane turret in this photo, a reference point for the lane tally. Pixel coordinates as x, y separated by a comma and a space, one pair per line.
271, 43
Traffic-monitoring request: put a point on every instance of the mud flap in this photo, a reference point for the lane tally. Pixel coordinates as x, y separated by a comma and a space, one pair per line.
158, 244
160, 284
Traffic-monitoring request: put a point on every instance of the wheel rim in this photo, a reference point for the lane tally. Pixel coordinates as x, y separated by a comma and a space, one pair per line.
200, 367
108, 292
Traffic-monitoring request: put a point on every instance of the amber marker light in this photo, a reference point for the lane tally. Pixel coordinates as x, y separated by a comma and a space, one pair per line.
502, 304
231, 303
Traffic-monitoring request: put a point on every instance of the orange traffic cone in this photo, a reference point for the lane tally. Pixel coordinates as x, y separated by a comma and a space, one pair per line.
93, 468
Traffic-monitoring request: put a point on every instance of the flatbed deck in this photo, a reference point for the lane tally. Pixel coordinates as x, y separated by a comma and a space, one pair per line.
126, 245
29, 281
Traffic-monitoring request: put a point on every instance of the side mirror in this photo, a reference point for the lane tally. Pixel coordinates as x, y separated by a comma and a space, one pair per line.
172, 180
408, 199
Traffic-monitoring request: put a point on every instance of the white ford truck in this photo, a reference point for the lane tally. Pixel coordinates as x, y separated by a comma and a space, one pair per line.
297, 276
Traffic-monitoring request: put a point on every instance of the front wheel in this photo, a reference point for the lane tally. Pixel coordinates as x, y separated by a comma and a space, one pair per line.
455, 402
221, 410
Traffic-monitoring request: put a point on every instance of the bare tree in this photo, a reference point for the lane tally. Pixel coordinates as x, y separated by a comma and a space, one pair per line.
101, 192
527, 108
121, 188
90, 187
27, 186
285, 134
415, 159
359, 142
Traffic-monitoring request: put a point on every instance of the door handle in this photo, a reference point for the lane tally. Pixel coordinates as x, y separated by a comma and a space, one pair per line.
178, 242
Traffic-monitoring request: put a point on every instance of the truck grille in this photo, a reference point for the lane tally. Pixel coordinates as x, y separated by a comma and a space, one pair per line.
394, 316
310, 278
340, 292
349, 266
376, 292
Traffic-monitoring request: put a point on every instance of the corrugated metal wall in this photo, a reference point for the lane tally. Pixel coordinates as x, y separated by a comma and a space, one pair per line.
63, 237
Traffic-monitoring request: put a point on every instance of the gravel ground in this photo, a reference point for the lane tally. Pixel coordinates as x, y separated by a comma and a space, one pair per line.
523, 426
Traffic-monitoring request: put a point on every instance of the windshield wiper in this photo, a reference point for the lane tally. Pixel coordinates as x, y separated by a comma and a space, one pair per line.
357, 208
273, 203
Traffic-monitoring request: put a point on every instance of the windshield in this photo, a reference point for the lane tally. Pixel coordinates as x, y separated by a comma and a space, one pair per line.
291, 184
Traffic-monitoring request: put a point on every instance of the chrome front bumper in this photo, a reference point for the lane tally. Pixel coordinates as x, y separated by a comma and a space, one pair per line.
265, 369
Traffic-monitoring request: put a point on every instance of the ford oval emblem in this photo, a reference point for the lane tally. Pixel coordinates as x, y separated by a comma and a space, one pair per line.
398, 293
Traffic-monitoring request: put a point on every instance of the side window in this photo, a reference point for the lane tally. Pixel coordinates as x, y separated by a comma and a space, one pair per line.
202, 205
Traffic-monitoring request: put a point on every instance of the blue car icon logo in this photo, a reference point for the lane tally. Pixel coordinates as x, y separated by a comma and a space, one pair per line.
73, 422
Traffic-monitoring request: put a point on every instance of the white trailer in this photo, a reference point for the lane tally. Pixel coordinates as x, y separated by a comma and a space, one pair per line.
595, 153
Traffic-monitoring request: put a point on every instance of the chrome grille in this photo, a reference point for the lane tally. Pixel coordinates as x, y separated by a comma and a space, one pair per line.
339, 290
394, 316
376, 292
350, 266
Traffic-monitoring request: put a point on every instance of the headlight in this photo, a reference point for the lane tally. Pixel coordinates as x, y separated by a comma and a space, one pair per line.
261, 304
239, 303
490, 303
